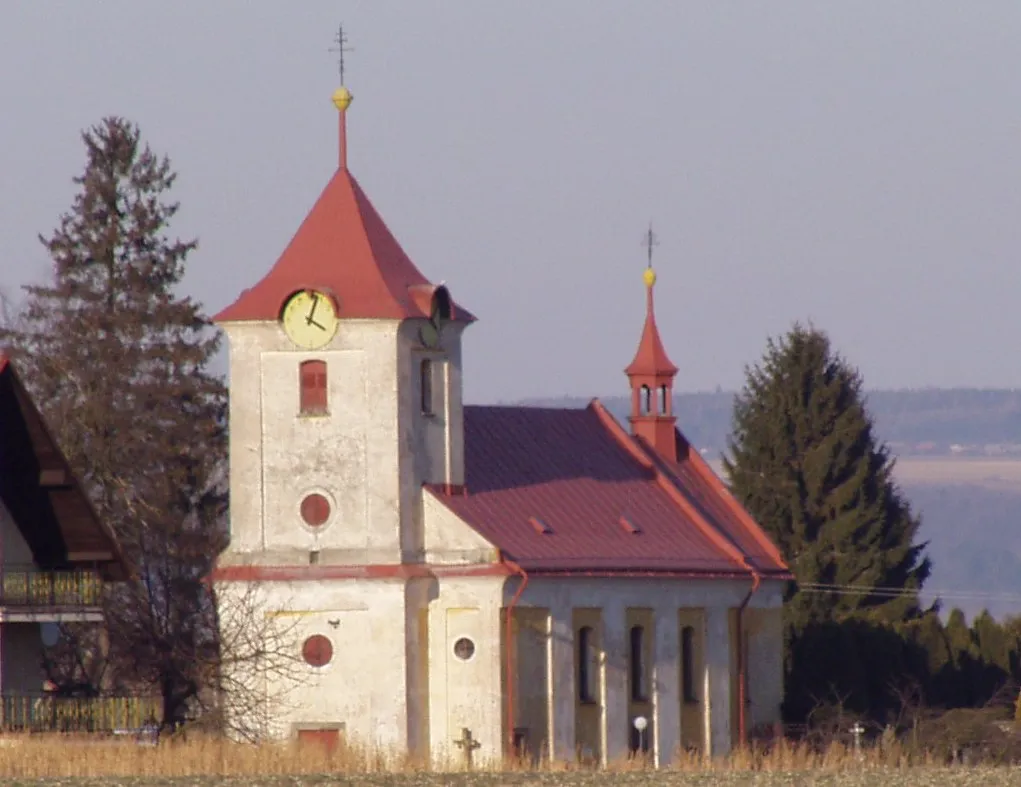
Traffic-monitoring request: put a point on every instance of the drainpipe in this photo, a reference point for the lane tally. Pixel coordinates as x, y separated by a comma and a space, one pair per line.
742, 678
508, 647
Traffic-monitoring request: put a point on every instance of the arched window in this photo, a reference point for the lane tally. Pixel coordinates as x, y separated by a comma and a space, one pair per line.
426, 386
664, 400
637, 664
313, 387
645, 400
586, 664
441, 309
688, 664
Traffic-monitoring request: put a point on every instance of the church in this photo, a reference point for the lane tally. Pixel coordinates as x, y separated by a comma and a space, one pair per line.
469, 582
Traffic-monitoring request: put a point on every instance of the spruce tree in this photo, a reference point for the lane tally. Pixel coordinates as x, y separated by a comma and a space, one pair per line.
119, 362
806, 463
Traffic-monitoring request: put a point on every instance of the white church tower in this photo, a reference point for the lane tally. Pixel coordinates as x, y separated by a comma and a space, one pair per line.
345, 399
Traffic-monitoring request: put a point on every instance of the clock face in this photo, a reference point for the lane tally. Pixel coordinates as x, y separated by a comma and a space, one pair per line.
310, 319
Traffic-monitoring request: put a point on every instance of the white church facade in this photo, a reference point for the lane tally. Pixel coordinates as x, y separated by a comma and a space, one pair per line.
458, 578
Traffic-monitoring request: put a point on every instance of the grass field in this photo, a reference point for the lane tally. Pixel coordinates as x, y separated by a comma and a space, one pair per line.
944, 777
52, 761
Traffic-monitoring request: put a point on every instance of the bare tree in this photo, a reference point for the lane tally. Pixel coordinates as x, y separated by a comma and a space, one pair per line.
259, 662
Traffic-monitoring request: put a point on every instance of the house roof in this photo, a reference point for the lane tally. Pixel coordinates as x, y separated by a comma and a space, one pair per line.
344, 248
569, 490
41, 493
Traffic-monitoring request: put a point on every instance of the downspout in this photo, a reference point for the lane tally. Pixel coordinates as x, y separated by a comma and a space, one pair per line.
742, 678
508, 647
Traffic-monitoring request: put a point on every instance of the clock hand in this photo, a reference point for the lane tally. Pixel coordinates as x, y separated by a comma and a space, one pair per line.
317, 325
311, 314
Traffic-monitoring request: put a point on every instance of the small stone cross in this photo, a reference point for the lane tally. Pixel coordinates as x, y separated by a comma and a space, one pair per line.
469, 744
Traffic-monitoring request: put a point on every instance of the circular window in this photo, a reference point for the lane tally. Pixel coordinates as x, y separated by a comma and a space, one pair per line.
464, 648
315, 510
317, 650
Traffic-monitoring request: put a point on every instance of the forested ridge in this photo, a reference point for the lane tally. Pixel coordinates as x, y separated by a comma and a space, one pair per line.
924, 420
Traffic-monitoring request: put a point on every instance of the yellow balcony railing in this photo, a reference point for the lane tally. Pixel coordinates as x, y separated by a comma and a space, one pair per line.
77, 714
28, 588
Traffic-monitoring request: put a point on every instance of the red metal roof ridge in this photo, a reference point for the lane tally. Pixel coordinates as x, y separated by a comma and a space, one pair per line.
753, 527
635, 573
401, 293
668, 486
622, 437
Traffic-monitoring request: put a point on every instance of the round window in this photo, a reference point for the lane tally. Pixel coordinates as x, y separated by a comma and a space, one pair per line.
315, 510
317, 650
464, 648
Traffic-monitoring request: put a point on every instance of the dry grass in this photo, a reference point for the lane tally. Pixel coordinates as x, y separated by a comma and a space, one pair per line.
52, 760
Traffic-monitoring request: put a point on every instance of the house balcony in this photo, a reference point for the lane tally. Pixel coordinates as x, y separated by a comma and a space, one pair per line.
28, 595
47, 713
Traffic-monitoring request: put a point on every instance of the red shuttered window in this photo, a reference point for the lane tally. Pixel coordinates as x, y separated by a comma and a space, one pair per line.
313, 382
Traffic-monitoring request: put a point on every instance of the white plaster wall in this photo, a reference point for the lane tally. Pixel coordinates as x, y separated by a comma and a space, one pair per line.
417, 595
278, 456
765, 666
365, 685
665, 598
448, 540
718, 666
466, 694
431, 445
666, 683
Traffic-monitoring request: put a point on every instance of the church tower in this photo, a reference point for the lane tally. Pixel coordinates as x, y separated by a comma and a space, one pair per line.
345, 392
651, 375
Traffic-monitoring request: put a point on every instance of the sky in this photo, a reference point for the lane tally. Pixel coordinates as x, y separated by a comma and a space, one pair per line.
856, 165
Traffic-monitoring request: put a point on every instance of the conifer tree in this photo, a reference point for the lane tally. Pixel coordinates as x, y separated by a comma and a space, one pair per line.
119, 363
805, 462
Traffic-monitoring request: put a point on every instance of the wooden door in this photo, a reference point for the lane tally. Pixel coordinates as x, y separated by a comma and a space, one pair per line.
327, 740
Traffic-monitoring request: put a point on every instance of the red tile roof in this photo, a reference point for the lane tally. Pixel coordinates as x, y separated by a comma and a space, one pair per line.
345, 248
604, 503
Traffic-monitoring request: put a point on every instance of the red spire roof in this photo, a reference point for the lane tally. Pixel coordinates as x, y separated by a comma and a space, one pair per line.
344, 248
651, 359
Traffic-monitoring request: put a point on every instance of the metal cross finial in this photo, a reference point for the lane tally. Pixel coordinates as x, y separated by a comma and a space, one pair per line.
340, 49
468, 744
650, 241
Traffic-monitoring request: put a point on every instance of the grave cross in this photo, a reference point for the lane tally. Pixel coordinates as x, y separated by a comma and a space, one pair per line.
469, 744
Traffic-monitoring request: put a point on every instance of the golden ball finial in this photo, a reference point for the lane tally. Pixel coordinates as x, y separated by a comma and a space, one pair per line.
342, 98
649, 277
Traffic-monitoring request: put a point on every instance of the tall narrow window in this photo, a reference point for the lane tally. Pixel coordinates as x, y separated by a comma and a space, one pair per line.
637, 664
426, 386
645, 402
664, 400
688, 664
313, 387
586, 664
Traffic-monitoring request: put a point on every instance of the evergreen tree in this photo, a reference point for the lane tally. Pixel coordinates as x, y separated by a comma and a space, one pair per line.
119, 363
806, 464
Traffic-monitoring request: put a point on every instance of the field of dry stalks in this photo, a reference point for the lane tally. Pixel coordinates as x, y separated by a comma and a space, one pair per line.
68, 762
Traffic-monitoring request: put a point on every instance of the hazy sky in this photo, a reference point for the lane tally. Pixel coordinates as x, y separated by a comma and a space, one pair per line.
856, 164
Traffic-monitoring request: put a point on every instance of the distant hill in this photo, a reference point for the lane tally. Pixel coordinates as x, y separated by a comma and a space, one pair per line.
923, 422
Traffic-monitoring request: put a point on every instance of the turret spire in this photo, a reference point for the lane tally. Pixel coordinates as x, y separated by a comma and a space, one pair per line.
342, 96
651, 375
